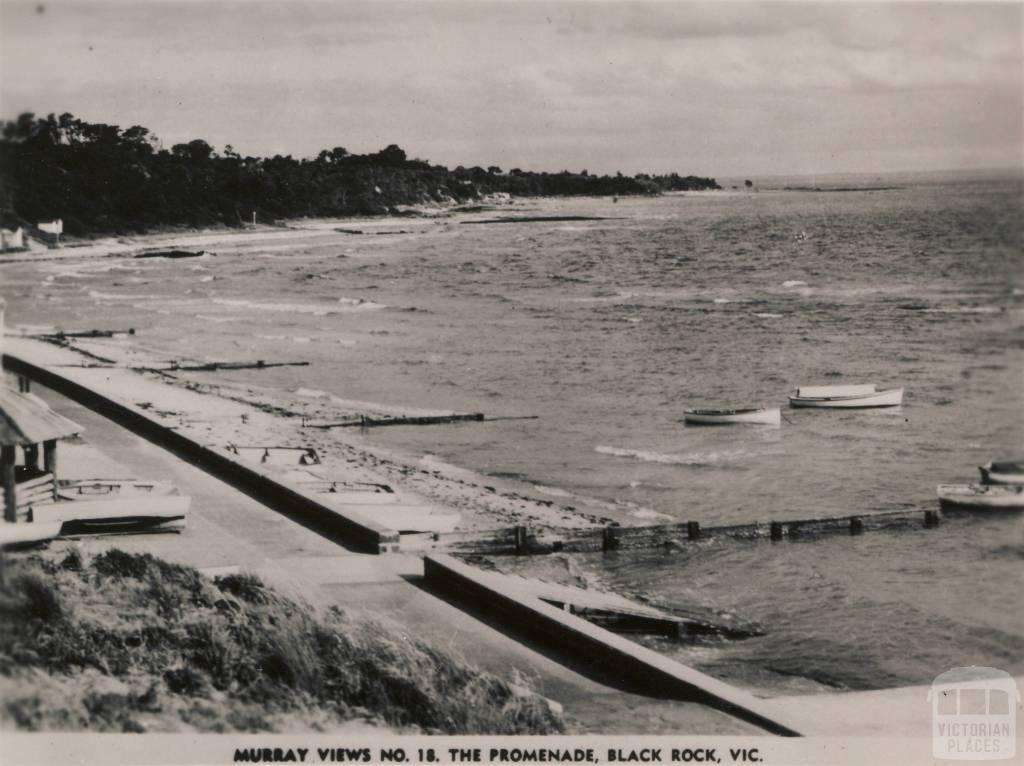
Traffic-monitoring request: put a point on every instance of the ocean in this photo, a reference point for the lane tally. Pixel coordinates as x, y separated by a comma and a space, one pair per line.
607, 327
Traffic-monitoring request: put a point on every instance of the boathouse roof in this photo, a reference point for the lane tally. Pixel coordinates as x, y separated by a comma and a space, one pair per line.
26, 419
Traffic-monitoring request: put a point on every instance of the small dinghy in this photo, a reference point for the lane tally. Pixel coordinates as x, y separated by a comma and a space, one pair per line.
86, 489
846, 397
982, 497
277, 455
1004, 472
120, 514
762, 416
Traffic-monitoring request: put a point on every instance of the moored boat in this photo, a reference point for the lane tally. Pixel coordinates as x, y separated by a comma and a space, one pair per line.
765, 416
994, 497
846, 397
1002, 472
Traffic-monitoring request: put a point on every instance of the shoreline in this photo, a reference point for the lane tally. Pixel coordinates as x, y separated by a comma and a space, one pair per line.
224, 414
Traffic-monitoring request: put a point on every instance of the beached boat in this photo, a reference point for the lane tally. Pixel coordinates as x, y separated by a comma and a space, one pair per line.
764, 416
26, 534
82, 489
1003, 472
848, 397
277, 455
981, 497
115, 513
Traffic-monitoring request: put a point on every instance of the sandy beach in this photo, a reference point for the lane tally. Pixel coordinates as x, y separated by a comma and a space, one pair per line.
247, 419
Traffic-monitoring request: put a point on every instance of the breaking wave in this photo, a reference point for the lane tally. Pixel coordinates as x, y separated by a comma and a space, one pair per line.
692, 458
344, 304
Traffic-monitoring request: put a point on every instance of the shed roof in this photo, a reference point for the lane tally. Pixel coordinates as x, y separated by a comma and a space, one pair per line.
27, 419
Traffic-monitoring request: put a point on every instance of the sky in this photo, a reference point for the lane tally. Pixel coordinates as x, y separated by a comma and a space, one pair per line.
719, 89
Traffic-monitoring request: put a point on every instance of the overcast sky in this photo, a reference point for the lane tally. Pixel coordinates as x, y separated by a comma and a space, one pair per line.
718, 89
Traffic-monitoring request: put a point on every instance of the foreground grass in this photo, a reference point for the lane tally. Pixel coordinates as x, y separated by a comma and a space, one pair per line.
129, 642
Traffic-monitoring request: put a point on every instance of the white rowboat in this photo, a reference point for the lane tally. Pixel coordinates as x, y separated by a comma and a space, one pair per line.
846, 397
120, 514
1005, 472
93, 489
763, 416
995, 497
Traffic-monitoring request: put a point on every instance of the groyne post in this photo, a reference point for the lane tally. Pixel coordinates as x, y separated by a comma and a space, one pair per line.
775, 530
520, 538
856, 526
693, 530
931, 518
610, 538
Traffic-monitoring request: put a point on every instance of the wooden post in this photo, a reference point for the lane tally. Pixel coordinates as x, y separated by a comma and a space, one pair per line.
775, 530
24, 384
931, 518
8, 456
50, 461
693, 530
856, 526
31, 456
520, 539
609, 539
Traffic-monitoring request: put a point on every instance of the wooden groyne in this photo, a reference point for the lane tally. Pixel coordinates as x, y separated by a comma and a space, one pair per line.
350, 529
399, 420
522, 540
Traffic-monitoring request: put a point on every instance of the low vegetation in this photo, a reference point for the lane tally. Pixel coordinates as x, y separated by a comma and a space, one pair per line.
100, 178
127, 642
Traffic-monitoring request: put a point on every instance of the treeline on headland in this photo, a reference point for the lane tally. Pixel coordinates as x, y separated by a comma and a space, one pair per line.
102, 178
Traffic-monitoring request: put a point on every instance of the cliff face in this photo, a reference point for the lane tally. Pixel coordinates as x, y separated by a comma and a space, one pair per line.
100, 178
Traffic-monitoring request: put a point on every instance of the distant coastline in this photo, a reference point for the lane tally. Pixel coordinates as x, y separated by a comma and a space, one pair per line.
102, 179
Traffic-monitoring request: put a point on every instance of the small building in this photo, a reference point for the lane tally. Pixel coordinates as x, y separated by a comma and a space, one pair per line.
27, 423
12, 240
52, 229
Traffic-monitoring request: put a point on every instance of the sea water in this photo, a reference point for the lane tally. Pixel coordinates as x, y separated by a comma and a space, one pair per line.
607, 329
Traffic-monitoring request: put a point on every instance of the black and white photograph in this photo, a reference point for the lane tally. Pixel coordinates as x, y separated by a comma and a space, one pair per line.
509, 381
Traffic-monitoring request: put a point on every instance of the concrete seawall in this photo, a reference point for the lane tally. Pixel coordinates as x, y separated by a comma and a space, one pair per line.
348, 528
574, 636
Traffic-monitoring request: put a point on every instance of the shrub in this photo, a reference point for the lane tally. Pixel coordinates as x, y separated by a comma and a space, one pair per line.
124, 636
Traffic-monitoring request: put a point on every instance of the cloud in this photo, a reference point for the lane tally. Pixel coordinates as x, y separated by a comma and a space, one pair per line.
634, 85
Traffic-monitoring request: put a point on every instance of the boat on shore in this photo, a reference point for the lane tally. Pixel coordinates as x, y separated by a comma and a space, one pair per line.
97, 506
763, 416
122, 514
81, 489
26, 535
846, 397
981, 497
1003, 472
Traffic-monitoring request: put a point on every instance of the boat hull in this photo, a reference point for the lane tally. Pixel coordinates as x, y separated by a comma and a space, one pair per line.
759, 416
24, 535
890, 398
981, 497
1002, 473
144, 513
95, 489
